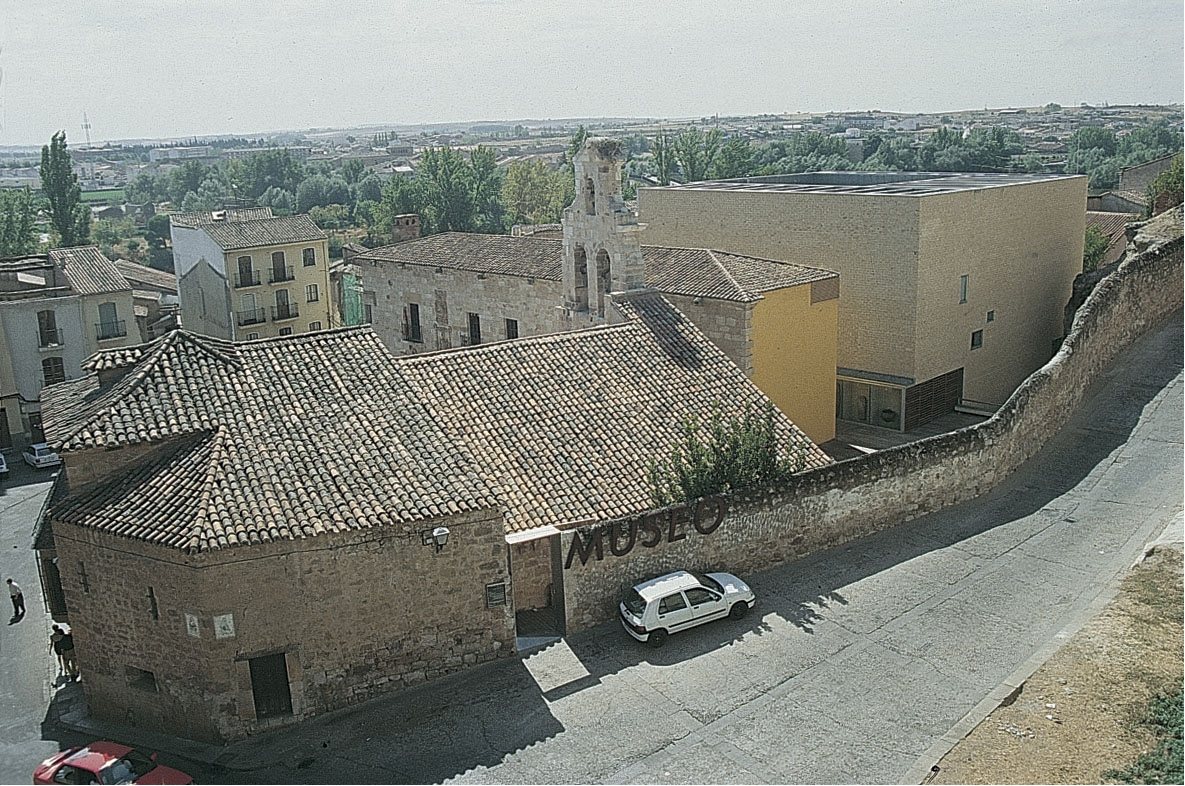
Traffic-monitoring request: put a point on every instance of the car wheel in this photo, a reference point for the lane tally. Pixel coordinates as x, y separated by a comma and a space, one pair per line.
657, 638
738, 610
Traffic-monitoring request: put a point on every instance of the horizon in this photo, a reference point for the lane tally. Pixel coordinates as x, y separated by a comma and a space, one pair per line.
325, 66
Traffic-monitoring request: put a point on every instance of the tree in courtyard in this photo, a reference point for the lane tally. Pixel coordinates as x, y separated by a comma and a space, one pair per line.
18, 212
1094, 249
70, 218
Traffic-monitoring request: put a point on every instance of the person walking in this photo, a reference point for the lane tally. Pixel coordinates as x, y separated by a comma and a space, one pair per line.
18, 599
69, 662
55, 644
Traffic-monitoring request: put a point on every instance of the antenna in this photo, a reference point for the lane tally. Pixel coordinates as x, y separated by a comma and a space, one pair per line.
86, 127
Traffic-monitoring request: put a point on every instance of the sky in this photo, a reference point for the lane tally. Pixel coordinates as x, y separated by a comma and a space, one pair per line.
158, 68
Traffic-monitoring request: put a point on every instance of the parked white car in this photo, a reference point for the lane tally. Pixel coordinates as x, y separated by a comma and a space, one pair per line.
39, 455
677, 601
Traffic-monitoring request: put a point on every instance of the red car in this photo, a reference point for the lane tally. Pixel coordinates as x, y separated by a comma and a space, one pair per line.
105, 763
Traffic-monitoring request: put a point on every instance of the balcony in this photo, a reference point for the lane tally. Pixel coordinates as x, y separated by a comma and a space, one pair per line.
279, 274
285, 311
109, 330
246, 279
49, 337
252, 316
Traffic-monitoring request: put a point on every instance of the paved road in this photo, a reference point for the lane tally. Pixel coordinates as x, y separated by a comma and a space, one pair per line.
856, 662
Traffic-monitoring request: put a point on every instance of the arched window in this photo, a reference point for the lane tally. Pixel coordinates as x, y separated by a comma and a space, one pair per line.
602, 280
581, 279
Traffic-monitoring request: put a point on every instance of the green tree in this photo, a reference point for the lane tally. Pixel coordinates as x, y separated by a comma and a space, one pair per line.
696, 151
1088, 137
734, 160
444, 176
485, 183
664, 158
1095, 248
533, 193
319, 191
186, 178
70, 218
576, 143
18, 213
353, 170
271, 168
1165, 190
281, 202
369, 188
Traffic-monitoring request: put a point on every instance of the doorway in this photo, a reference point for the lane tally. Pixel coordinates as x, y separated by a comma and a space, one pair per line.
536, 576
269, 686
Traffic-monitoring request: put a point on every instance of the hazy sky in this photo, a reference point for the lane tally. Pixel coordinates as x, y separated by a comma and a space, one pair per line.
154, 68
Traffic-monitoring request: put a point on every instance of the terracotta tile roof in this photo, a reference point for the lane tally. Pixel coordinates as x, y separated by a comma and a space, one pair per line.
146, 277
694, 272
209, 217
291, 437
233, 235
565, 426
88, 271
264, 440
1110, 224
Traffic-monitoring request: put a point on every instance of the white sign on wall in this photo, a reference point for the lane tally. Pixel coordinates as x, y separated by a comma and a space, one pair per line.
193, 625
224, 626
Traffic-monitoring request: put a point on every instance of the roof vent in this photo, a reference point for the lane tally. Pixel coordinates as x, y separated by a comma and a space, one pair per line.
218, 215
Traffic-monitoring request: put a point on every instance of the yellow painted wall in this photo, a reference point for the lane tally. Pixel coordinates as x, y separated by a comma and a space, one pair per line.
265, 294
794, 357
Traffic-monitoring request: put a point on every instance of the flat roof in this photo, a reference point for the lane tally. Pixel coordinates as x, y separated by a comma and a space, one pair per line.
871, 183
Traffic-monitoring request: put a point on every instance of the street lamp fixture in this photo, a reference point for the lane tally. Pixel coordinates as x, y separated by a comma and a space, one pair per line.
437, 537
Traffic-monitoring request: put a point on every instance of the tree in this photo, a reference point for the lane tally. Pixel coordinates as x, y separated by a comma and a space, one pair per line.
734, 160
370, 188
533, 193
319, 191
280, 201
486, 189
1095, 248
444, 176
271, 168
353, 170
696, 151
1088, 137
69, 217
664, 158
1165, 190
186, 178
18, 212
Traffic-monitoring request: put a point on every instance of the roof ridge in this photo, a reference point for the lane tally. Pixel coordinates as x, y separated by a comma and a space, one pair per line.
315, 334
728, 274
200, 527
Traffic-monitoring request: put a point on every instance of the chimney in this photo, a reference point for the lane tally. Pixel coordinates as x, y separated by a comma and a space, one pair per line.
405, 226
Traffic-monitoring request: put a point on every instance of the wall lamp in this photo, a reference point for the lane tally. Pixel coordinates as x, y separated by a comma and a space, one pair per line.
437, 537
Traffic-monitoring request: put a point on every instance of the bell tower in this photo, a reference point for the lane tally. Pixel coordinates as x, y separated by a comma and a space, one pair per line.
602, 249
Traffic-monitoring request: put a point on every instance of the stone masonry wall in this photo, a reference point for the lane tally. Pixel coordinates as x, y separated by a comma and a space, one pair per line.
530, 566
356, 614
825, 507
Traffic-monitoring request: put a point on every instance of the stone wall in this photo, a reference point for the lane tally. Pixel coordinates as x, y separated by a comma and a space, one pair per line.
355, 614
822, 508
530, 567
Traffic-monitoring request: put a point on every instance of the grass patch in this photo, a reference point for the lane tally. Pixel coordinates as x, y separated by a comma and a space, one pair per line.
112, 195
1163, 764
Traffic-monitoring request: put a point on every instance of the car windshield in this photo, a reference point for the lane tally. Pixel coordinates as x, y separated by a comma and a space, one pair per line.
127, 769
634, 603
709, 582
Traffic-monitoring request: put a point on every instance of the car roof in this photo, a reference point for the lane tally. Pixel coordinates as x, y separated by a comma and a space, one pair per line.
666, 584
97, 755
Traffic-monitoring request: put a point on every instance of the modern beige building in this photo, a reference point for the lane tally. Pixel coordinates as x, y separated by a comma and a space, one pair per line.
56, 309
953, 285
246, 274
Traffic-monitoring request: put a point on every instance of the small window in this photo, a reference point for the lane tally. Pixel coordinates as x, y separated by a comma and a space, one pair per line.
991, 317
962, 289
977, 339
252, 336
474, 329
285, 331
153, 608
83, 579
672, 603
495, 594
54, 370
368, 311
309, 257
141, 679
311, 294
412, 331
314, 326
512, 328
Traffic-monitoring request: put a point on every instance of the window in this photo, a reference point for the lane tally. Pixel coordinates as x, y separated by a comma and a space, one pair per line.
977, 339
153, 609
140, 679
991, 316
671, 603
512, 328
698, 597
411, 324
314, 326
280, 270
110, 325
962, 289
285, 331
54, 370
474, 329
311, 295
495, 594
133, 766
368, 311
247, 277
252, 336
309, 257
73, 775
47, 329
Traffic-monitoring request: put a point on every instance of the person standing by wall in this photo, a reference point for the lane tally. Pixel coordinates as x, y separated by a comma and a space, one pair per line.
69, 662
55, 644
18, 599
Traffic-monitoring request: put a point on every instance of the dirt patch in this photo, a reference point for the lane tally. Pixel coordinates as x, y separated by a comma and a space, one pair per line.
1079, 715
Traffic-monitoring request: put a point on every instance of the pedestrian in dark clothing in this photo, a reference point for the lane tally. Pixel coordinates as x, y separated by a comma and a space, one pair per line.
18, 599
55, 643
69, 662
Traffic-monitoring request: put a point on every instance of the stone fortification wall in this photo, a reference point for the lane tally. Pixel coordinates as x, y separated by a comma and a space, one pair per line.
822, 508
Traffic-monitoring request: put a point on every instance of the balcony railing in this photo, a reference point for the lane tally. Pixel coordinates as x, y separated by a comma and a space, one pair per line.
248, 279
252, 316
116, 329
50, 337
281, 274
287, 311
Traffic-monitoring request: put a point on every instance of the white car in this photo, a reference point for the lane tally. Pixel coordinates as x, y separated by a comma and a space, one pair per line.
677, 601
39, 455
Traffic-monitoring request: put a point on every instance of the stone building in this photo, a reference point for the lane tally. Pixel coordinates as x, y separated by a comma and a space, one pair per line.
341, 522
777, 321
245, 274
953, 284
56, 309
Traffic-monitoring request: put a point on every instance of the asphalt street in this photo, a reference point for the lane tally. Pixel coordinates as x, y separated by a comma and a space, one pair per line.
853, 667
